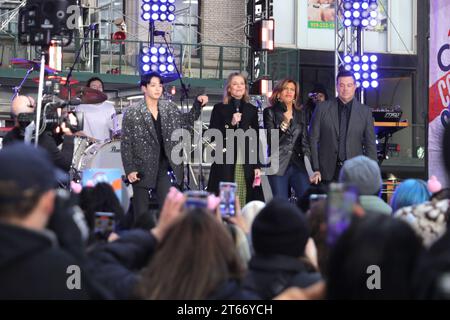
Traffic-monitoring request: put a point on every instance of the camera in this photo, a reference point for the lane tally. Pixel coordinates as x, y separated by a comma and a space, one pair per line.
54, 114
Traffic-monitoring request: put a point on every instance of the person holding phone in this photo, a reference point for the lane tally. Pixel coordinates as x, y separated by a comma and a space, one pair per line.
288, 117
146, 145
234, 113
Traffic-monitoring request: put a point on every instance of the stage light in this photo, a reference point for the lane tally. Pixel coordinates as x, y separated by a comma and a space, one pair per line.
357, 12
157, 59
374, 84
158, 10
363, 67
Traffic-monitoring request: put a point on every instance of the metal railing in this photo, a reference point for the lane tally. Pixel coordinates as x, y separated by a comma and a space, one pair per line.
110, 56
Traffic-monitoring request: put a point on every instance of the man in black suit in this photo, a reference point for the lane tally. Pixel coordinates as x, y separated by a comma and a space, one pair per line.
341, 129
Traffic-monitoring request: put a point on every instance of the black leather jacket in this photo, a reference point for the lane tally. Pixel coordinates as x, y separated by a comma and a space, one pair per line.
294, 143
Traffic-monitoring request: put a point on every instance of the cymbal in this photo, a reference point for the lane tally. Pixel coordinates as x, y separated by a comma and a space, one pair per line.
86, 95
28, 64
61, 80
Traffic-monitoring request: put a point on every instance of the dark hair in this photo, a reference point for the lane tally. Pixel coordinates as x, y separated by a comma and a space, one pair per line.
446, 149
146, 78
88, 83
441, 195
317, 220
345, 73
374, 240
304, 202
15, 202
280, 87
100, 198
194, 267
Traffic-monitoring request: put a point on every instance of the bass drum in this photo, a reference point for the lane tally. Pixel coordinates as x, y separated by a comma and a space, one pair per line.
106, 155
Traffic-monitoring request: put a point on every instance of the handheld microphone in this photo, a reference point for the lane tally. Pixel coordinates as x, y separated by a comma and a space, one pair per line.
237, 105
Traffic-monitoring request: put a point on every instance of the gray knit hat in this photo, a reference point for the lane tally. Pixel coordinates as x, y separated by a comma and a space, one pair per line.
362, 172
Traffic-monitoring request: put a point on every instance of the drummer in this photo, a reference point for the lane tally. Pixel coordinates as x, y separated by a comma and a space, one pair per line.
98, 117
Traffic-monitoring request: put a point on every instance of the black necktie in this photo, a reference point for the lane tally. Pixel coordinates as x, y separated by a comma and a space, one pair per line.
343, 133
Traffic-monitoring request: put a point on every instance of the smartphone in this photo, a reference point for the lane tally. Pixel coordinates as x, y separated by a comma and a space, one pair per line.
196, 199
104, 225
341, 199
227, 204
317, 197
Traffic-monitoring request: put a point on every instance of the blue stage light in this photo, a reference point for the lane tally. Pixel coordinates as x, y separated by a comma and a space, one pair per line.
158, 10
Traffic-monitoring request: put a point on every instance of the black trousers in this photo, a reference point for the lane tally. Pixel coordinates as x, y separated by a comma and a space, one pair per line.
144, 215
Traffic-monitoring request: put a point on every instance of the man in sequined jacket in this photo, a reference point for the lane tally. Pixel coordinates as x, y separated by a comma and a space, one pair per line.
147, 146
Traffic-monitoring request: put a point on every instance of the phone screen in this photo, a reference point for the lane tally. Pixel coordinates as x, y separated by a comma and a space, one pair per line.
196, 199
341, 200
227, 198
104, 224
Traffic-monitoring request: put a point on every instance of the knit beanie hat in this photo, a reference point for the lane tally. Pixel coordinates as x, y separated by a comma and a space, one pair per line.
362, 172
280, 228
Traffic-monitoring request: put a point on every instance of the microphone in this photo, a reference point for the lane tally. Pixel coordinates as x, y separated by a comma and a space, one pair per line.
128, 182
237, 105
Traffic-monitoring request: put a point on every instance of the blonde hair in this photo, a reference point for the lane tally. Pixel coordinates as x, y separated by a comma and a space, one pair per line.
227, 94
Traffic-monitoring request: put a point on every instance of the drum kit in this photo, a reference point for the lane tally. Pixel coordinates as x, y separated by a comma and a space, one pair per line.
88, 153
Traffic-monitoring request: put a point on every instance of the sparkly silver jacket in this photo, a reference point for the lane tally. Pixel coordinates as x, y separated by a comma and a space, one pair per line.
140, 148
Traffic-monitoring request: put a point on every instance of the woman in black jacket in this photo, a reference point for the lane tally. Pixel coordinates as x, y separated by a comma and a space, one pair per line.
236, 113
286, 116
